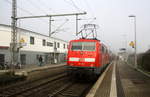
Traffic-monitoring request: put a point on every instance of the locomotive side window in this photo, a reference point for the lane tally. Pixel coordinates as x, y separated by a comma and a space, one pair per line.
106, 51
85, 46
103, 49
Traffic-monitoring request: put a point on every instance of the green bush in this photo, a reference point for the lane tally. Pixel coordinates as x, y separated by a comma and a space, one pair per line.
146, 62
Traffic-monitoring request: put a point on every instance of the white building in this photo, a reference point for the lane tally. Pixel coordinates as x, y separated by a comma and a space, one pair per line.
35, 44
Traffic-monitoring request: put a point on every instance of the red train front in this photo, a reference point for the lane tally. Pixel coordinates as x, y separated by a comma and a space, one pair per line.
87, 55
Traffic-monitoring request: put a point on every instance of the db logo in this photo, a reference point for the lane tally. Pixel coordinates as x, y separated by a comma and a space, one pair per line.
81, 59
81, 53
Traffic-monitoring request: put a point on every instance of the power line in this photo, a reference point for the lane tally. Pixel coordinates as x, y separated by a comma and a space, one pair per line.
36, 6
89, 7
45, 5
69, 4
49, 8
26, 11
73, 4
58, 28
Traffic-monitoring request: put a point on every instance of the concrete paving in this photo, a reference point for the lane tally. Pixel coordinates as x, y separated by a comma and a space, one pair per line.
121, 80
133, 82
103, 85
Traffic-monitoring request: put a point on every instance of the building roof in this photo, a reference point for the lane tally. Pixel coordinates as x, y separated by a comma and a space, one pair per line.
34, 32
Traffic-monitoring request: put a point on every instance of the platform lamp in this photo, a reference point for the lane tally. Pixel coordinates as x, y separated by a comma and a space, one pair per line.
135, 55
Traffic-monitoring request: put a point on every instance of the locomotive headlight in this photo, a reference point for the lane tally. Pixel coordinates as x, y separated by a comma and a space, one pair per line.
73, 59
89, 59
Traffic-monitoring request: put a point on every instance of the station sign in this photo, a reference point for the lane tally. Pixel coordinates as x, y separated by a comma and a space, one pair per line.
22, 42
132, 44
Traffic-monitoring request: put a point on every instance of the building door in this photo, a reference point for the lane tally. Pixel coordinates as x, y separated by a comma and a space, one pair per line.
2, 59
46, 58
23, 59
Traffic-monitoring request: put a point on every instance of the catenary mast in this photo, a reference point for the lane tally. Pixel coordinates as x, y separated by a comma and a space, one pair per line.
13, 44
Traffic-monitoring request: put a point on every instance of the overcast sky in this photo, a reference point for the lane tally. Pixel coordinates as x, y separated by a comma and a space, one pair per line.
116, 28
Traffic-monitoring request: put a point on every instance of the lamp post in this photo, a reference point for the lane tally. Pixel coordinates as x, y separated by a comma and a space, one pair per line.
135, 55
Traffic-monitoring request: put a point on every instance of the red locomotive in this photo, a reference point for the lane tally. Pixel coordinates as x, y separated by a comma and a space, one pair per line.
87, 55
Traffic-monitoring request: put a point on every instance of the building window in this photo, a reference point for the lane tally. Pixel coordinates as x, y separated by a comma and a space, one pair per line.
31, 40
2, 59
58, 45
44, 42
55, 45
50, 44
64, 46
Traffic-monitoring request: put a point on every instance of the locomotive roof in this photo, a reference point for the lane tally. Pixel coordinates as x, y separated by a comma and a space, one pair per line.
82, 39
88, 40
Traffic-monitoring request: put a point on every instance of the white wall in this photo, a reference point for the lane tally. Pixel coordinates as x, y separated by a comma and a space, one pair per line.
5, 39
5, 36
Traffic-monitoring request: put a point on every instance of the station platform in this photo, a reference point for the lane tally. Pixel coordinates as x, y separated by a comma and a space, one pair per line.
121, 80
30, 68
132, 82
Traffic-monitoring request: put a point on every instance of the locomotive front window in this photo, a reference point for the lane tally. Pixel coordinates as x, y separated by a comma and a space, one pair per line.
84, 46
76, 46
88, 46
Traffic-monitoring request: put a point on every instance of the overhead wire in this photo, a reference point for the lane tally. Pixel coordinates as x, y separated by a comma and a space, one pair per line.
53, 12
36, 6
58, 28
72, 3
42, 3
89, 7
22, 9
91, 11
42, 10
87, 4
26, 11
45, 5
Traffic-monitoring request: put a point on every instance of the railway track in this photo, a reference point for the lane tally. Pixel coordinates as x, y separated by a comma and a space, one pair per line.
30, 87
35, 76
56, 85
72, 89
